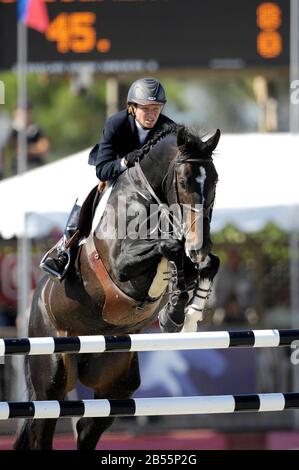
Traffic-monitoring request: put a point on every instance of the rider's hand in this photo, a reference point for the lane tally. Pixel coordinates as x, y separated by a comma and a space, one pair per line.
132, 157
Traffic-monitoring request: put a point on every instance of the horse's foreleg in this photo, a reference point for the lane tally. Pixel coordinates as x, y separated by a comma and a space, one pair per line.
195, 308
136, 258
172, 316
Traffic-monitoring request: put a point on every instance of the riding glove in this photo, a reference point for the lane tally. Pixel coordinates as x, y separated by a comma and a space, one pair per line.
132, 157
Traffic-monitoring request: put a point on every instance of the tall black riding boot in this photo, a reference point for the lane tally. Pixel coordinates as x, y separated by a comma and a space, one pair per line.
57, 267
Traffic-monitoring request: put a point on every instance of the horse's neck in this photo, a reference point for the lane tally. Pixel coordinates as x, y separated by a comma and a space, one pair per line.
155, 165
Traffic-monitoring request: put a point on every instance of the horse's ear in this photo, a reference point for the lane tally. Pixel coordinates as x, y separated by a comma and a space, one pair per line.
182, 136
212, 142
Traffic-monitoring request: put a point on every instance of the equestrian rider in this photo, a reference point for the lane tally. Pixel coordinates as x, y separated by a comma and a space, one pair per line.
119, 148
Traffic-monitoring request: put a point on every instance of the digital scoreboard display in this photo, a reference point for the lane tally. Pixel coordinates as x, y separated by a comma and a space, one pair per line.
136, 35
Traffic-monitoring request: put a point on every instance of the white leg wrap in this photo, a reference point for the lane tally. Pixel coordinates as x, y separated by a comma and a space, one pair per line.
195, 308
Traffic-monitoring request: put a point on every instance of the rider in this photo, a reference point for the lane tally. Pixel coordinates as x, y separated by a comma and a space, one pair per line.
119, 148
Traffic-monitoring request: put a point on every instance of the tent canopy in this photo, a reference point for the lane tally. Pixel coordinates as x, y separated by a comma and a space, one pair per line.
258, 181
47, 194
258, 176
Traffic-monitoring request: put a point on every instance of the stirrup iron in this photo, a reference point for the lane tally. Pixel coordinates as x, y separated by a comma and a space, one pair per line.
54, 275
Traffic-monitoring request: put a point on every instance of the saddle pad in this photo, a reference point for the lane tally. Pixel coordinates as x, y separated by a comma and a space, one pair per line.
102, 206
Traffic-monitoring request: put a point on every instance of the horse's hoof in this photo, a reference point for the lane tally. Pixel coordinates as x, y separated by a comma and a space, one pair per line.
167, 325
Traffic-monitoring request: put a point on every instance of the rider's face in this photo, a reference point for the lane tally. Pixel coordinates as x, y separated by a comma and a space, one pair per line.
147, 115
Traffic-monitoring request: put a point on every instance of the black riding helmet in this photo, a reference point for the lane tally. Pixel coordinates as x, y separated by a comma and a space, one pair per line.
146, 91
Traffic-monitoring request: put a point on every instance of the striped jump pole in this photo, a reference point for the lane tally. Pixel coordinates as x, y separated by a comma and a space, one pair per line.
149, 342
150, 406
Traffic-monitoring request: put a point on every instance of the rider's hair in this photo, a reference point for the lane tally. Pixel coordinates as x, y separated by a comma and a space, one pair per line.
131, 109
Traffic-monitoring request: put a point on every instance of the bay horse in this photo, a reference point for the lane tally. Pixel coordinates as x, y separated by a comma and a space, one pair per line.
117, 284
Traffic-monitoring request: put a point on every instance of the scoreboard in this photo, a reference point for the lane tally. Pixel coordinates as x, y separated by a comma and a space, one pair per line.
140, 35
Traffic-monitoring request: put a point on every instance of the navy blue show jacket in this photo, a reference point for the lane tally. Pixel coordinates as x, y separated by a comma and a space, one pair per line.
120, 137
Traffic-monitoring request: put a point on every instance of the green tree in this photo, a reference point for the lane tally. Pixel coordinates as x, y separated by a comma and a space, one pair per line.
267, 252
71, 121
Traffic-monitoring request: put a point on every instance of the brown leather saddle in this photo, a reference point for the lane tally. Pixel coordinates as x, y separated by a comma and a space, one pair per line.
119, 308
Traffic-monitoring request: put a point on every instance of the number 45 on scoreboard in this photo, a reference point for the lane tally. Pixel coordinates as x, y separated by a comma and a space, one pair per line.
76, 32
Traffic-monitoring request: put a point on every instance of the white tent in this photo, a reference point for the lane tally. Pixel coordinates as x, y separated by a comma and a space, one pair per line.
46, 194
258, 183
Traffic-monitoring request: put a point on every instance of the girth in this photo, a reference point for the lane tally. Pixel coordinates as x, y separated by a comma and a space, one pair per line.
119, 308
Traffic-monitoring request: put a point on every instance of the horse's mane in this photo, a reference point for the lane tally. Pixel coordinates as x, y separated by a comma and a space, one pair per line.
170, 129
188, 141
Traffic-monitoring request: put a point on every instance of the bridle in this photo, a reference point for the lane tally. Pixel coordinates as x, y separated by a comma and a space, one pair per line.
181, 161
162, 207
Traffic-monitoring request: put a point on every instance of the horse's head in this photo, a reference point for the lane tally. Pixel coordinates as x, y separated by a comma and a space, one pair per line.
179, 173
194, 179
